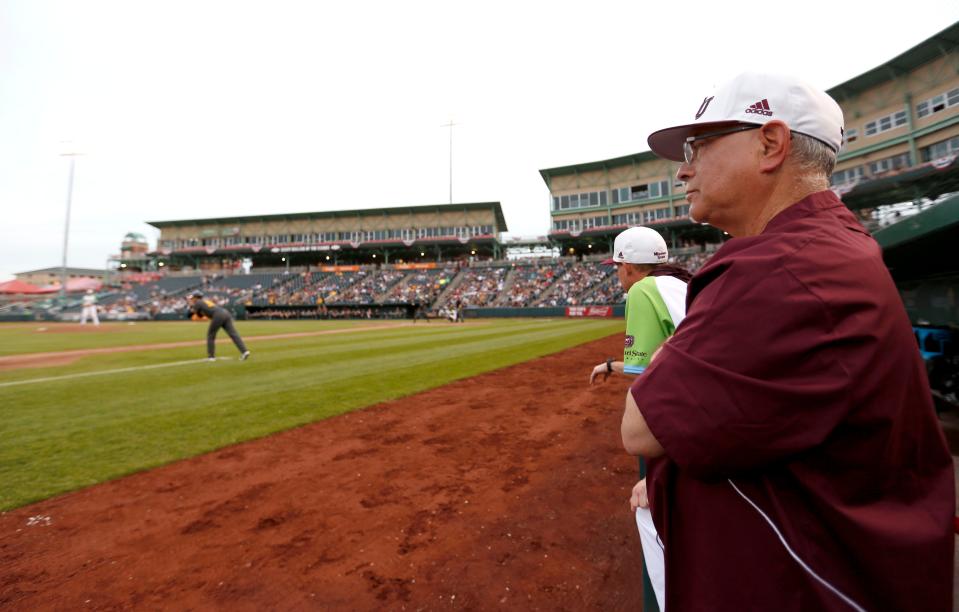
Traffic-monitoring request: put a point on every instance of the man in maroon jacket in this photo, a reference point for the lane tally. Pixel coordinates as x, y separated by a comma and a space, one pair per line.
797, 463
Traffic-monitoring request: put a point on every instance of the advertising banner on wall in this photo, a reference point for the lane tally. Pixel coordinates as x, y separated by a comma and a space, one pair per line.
589, 311
339, 268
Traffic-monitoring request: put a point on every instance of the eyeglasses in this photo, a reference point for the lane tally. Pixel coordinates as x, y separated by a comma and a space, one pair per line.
689, 153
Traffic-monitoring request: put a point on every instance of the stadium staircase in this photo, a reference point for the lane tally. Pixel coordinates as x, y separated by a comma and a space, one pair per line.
444, 296
548, 292
381, 275
387, 296
529, 278
507, 285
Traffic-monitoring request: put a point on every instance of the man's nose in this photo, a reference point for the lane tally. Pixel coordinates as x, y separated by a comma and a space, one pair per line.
684, 173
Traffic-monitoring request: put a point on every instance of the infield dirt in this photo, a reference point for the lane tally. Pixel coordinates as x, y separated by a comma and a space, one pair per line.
503, 491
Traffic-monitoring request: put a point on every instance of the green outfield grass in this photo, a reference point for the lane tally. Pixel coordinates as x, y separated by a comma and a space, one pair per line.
79, 427
20, 338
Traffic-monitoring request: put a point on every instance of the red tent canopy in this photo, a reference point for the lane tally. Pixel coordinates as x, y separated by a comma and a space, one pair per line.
21, 288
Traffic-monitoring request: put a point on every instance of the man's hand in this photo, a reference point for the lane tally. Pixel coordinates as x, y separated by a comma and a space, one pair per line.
600, 369
639, 499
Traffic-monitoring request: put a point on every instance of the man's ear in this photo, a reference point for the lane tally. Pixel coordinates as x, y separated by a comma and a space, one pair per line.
776, 141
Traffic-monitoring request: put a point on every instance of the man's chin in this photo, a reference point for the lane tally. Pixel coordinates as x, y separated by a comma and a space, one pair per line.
695, 217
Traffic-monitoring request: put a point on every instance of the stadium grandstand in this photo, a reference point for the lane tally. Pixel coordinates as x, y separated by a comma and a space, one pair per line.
900, 162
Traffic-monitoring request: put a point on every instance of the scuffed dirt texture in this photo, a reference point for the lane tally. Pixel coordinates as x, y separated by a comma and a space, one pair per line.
504, 491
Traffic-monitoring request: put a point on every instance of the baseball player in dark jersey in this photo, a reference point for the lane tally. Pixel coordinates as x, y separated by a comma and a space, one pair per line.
219, 317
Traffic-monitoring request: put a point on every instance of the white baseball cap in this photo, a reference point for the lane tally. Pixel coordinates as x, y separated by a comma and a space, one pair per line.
759, 98
638, 245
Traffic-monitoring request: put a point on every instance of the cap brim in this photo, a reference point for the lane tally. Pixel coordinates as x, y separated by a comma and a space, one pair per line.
608, 262
668, 142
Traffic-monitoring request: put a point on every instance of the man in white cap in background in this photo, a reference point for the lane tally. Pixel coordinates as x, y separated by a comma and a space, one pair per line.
804, 465
655, 298
89, 310
655, 305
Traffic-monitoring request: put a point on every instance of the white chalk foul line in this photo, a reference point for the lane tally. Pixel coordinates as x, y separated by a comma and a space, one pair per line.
101, 372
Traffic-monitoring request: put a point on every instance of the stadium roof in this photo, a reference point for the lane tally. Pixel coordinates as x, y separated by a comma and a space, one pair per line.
597, 165
935, 46
331, 214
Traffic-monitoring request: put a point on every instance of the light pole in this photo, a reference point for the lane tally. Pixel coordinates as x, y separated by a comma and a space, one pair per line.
66, 226
450, 126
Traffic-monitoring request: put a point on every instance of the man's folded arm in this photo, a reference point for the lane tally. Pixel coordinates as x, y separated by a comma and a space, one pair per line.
637, 437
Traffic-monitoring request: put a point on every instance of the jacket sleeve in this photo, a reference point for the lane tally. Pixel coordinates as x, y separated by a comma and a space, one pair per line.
753, 375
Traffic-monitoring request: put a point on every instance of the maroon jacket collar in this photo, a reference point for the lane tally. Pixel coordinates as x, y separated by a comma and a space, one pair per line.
821, 200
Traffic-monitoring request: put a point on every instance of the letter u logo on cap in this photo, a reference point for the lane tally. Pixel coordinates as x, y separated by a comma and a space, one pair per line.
704, 106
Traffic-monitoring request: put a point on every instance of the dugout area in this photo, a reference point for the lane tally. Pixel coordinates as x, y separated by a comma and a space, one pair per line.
921, 255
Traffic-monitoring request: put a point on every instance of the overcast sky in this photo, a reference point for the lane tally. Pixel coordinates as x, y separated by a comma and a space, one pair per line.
208, 109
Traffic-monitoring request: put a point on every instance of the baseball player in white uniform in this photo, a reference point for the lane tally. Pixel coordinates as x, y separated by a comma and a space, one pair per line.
89, 308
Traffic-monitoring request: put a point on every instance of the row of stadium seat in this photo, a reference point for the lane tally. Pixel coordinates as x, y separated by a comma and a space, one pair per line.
527, 284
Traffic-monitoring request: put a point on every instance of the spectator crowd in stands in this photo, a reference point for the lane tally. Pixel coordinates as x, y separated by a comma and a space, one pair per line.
537, 283
479, 286
530, 282
576, 283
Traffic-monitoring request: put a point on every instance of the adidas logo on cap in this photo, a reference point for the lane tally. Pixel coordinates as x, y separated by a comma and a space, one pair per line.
760, 108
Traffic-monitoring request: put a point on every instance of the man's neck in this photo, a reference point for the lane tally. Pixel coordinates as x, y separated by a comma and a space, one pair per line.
784, 194
634, 278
